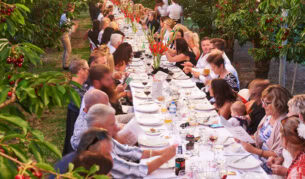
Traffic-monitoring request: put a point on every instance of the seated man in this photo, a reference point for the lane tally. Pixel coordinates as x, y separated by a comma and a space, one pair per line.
91, 98
93, 141
102, 116
217, 44
115, 40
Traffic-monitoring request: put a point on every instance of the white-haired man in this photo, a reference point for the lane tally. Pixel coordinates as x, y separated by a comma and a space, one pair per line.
103, 116
115, 40
91, 98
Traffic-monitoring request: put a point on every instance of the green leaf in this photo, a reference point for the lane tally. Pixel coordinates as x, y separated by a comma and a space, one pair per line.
23, 7
19, 153
44, 95
30, 92
101, 177
61, 89
16, 121
8, 168
12, 136
38, 134
75, 97
93, 169
51, 147
34, 148
45, 166
3, 94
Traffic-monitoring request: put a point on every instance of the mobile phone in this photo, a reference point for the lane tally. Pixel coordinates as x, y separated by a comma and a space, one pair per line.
127, 81
216, 126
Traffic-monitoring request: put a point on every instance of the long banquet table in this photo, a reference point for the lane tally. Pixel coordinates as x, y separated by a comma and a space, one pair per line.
200, 162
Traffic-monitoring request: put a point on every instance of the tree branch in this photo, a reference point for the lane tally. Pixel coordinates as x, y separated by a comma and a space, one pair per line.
13, 98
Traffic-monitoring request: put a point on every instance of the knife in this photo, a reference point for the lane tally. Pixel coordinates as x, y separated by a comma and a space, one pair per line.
244, 157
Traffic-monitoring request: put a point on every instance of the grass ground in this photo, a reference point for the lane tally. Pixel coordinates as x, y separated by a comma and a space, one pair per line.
53, 122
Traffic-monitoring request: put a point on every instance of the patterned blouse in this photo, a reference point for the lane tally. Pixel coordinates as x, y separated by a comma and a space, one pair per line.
232, 81
297, 168
265, 133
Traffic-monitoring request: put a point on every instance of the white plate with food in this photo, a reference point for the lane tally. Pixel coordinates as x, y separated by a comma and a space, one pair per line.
153, 132
142, 95
243, 162
152, 141
149, 120
198, 95
204, 107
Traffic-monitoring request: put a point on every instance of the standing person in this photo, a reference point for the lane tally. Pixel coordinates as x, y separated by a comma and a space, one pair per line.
93, 9
162, 9
66, 36
175, 11
80, 70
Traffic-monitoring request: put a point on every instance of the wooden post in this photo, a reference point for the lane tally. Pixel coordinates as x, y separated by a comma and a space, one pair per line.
282, 70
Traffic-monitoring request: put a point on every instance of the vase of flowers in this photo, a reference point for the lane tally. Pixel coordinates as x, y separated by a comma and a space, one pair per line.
157, 49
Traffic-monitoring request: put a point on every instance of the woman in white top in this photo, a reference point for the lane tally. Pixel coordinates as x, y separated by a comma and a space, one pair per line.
192, 40
169, 24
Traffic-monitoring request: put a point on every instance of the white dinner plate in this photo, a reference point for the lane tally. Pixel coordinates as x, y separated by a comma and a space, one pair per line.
149, 120
152, 141
147, 108
142, 95
153, 132
187, 84
198, 95
204, 107
138, 84
247, 163
181, 77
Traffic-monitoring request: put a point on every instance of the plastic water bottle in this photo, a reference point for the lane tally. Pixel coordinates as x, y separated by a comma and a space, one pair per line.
173, 108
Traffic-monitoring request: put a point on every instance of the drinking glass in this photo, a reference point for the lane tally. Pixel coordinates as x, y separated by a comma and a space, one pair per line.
147, 91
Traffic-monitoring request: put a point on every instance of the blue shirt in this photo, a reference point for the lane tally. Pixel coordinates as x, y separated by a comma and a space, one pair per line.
80, 127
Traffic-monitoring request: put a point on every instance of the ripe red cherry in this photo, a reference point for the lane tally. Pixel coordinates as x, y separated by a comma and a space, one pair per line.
37, 174
9, 60
20, 60
12, 82
9, 77
20, 65
19, 177
9, 94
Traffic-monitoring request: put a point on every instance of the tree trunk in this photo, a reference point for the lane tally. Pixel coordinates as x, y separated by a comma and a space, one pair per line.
230, 49
261, 68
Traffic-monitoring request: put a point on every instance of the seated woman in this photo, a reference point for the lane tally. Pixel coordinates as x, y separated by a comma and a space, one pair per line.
279, 165
169, 24
217, 64
293, 139
255, 109
183, 54
106, 35
224, 97
152, 23
267, 138
122, 57
93, 34
192, 40
114, 25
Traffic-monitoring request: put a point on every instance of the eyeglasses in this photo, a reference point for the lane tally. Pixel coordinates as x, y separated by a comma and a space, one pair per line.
266, 103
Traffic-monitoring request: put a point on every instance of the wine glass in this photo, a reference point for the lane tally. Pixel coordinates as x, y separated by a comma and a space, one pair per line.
147, 92
168, 79
213, 138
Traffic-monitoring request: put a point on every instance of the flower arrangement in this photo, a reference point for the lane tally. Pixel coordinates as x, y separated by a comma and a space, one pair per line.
157, 49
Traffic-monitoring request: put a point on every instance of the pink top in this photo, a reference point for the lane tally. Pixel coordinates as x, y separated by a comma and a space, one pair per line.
297, 168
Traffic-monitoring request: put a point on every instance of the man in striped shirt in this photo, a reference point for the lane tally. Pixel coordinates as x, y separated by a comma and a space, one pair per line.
103, 116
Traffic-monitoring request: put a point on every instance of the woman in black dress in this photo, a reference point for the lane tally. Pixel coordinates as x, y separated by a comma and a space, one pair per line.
182, 55
94, 32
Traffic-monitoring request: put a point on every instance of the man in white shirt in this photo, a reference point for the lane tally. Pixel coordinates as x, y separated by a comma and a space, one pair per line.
115, 41
175, 12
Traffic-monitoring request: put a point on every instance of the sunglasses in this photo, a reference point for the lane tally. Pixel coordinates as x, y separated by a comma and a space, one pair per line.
99, 137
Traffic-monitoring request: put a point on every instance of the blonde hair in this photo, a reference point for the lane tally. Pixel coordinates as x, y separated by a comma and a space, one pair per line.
182, 27
104, 21
297, 104
289, 131
193, 37
239, 107
279, 97
114, 25
170, 22
104, 51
